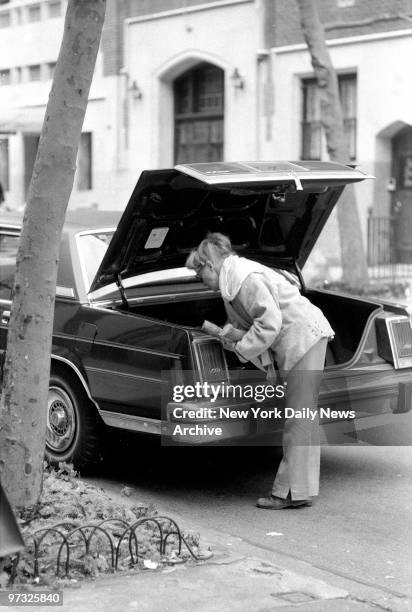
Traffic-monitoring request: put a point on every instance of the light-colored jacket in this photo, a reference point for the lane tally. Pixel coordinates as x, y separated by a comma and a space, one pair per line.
271, 310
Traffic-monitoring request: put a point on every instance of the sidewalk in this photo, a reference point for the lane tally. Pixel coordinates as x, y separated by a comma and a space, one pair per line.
239, 577
229, 583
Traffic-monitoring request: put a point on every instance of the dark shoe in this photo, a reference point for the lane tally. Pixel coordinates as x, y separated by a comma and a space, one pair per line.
278, 503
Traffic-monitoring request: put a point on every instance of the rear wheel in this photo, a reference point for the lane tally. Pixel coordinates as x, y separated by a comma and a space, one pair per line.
73, 426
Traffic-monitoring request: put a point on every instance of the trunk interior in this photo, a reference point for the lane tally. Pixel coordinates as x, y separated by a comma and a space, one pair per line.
347, 316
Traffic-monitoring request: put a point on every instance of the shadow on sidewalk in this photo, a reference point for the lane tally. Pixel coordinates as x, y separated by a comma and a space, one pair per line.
141, 459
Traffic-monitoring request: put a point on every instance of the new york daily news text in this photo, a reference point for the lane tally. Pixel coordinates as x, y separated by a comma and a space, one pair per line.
213, 392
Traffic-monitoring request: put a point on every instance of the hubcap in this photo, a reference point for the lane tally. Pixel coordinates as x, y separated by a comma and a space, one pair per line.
61, 420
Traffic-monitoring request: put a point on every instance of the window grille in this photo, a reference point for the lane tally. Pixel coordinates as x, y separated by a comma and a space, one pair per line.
199, 115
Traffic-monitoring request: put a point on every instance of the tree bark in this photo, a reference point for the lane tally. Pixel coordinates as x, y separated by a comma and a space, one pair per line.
354, 268
27, 364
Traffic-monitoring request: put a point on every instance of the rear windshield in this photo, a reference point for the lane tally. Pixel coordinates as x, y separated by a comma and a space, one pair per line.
92, 247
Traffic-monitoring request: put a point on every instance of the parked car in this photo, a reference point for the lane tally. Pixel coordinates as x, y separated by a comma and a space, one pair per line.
128, 313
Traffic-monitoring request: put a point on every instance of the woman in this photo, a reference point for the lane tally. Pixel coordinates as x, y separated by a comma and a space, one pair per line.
281, 325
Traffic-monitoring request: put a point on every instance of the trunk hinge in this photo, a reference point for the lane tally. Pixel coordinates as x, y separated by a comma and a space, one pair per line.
298, 184
119, 284
300, 277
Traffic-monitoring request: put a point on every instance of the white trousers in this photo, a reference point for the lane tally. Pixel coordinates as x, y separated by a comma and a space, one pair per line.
298, 472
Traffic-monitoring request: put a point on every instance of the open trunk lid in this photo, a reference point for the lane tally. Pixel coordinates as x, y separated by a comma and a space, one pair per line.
272, 212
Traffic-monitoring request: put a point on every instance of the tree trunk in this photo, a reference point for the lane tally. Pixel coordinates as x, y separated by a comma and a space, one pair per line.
354, 268
27, 365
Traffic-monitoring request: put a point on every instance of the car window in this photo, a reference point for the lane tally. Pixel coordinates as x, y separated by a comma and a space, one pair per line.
92, 248
9, 244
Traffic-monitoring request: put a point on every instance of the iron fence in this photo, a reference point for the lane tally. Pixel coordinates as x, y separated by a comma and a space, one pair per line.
387, 258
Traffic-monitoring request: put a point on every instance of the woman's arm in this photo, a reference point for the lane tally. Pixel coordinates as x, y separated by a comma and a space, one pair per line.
262, 306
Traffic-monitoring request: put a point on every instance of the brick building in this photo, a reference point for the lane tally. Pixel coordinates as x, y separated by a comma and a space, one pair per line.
181, 80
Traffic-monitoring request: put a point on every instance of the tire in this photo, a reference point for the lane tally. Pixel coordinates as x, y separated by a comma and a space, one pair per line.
73, 428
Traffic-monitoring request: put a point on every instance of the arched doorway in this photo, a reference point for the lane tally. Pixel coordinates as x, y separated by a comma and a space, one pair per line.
199, 114
401, 201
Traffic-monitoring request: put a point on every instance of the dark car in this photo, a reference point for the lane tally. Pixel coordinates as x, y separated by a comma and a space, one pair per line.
128, 315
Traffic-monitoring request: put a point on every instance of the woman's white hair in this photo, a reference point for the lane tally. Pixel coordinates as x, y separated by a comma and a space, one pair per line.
214, 245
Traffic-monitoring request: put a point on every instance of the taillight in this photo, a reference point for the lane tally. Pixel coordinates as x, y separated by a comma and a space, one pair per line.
395, 340
210, 360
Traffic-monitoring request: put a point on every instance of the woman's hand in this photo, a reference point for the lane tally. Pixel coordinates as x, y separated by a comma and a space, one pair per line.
231, 333
229, 345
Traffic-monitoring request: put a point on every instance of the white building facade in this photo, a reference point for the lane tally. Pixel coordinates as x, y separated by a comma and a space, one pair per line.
30, 38
221, 80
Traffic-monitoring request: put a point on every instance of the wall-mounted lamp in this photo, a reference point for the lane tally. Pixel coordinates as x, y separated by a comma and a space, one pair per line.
391, 184
136, 91
237, 79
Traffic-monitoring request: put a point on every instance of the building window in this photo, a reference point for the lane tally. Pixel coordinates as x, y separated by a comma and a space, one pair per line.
348, 94
312, 133
34, 13
19, 74
84, 162
199, 97
34, 72
4, 163
5, 77
50, 68
5, 20
55, 9
18, 18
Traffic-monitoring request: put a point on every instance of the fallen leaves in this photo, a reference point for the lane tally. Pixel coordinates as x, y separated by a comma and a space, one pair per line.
67, 499
126, 491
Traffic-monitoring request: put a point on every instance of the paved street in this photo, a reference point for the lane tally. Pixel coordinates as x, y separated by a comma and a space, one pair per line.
360, 529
